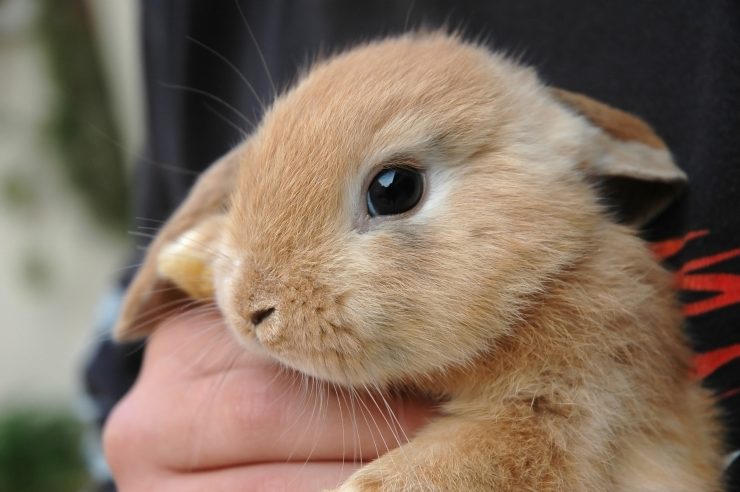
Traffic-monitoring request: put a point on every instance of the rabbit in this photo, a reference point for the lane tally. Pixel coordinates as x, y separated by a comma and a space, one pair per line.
420, 212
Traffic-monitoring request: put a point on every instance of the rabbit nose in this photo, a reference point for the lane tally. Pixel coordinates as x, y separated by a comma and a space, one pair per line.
257, 317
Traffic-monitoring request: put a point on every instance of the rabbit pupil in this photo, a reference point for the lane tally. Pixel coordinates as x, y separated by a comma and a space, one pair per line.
394, 190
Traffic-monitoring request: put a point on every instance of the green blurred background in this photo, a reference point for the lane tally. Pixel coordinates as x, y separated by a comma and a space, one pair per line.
70, 126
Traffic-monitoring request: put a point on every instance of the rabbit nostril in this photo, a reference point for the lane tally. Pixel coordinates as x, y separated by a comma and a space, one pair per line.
258, 317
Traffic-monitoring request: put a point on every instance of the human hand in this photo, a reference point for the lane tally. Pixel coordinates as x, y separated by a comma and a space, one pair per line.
208, 414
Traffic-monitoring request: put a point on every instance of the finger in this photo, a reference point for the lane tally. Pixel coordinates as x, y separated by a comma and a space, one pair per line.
273, 477
193, 345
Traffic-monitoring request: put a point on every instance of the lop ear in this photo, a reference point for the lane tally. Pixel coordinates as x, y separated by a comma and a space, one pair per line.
626, 159
176, 266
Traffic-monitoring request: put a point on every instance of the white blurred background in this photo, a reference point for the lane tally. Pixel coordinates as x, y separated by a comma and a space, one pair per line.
57, 260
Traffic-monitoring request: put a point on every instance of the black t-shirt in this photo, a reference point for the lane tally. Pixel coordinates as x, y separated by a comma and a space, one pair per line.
675, 63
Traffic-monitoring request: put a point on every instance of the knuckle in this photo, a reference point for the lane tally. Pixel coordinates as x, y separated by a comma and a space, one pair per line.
123, 435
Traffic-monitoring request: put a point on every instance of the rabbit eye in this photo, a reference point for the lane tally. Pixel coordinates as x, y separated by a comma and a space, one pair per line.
394, 190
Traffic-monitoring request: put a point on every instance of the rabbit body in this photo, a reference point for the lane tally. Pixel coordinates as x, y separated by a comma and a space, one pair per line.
547, 330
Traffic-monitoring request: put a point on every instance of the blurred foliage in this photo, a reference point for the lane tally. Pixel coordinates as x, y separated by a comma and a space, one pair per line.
82, 125
17, 191
40, 452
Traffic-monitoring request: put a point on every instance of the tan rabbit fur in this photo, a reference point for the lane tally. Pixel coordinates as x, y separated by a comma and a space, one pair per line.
546, 329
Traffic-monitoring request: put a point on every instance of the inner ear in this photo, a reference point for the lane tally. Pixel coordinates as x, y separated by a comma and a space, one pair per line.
188, 260
626, 198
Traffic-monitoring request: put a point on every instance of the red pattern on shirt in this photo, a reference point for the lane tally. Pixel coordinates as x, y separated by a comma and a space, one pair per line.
726, 287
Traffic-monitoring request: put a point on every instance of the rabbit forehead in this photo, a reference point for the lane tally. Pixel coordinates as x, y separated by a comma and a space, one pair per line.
433, 85
412, 94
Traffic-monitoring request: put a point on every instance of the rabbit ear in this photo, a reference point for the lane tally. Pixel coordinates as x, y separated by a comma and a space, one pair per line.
629, 162
177, 263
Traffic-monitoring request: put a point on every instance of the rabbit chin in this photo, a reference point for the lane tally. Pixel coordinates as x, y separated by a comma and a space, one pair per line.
333, 366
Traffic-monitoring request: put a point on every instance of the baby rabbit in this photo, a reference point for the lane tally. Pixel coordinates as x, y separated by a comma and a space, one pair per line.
421, 213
